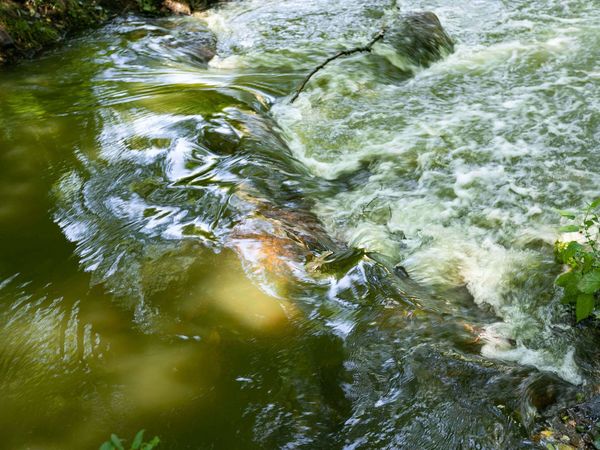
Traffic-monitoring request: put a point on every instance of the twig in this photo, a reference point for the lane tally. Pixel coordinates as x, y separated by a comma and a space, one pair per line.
366, 48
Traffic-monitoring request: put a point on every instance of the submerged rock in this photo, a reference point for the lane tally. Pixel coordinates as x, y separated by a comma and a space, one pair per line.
416, 39
578, 426
199, 45
220, 137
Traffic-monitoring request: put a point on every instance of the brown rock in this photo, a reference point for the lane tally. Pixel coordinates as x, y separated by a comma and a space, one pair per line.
178, 7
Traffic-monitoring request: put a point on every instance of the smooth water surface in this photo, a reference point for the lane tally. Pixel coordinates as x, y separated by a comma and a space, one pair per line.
185, 251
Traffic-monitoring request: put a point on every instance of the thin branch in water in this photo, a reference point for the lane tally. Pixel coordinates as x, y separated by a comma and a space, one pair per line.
366, 48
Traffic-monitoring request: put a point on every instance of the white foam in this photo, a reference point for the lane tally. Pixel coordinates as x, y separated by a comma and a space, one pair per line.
482, 58
564, 367
468, 177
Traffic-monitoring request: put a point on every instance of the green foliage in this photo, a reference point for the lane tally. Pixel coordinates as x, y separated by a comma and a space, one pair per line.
581, 282
37, 24
149, 6
116, 443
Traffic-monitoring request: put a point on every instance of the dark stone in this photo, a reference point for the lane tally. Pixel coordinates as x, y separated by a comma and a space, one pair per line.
401, 271
206, 53
419, 37
5, 39
197, 45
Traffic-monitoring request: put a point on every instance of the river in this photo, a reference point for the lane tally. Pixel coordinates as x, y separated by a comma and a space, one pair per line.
187, 252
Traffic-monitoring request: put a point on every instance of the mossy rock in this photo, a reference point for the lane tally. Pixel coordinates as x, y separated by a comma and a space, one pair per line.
417, 39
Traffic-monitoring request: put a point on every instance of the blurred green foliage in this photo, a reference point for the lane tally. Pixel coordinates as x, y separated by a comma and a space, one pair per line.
581, 282
116, 443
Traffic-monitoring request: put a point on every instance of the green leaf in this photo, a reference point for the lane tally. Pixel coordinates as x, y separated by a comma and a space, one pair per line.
590, 282
585, 306
116, 442
588, 262
106, 446
568, 281
137, 440
569, 229
567, 214
152, 444
570, 251
595, 203
568, 278
568, 299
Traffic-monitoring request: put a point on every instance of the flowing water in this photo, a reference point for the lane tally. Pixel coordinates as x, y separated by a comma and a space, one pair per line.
185, 251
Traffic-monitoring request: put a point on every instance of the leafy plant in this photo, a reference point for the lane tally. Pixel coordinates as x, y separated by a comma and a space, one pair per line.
116, 443
148, 6
581, 282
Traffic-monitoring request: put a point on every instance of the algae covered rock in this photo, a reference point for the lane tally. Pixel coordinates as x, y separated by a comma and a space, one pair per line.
415, 39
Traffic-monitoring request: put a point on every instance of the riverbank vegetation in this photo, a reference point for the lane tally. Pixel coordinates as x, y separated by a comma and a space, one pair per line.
138, 443
581, 282
33, 25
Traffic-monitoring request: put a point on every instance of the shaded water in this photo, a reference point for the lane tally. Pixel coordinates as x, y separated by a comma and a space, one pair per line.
177, 239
